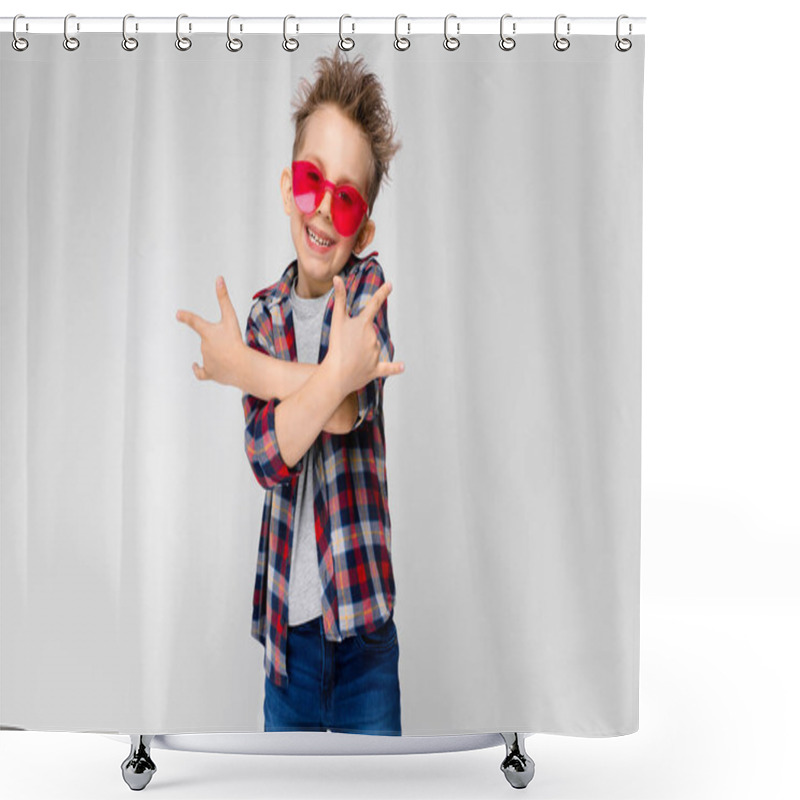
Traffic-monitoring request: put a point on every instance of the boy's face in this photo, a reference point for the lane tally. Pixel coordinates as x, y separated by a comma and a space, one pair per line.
341, 150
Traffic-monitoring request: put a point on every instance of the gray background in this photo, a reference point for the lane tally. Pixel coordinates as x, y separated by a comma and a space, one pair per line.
512, 233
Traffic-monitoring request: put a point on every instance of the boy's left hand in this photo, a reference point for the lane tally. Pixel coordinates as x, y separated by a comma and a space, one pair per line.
221, 343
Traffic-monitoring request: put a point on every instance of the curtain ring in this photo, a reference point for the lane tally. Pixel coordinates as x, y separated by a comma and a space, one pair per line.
70, 42
507, 42
346, 43
18, 43
234, 45
451, 42
129, 43
181, 42
400, 42
561, 43
623, 45
289, 44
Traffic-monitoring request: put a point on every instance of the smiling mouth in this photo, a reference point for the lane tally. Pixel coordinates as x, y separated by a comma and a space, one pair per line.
318, 240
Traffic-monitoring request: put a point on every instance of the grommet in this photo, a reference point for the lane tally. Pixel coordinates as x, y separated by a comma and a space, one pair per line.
400, 42
623, 45
561, 43
17, 42
70, 42
129, 43
451, 42
289, 44
507, 42
182, 42
345, 43
234, 45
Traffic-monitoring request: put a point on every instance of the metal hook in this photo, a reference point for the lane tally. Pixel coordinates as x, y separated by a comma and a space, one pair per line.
451, 42
18, 43
234, 45
507, 42
182, 42
292, 44
623, 45
561, 43
406, 43
346, 43
70, 42
128, 42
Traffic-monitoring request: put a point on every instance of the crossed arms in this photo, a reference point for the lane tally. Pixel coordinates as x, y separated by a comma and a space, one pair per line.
287, 404
266, 378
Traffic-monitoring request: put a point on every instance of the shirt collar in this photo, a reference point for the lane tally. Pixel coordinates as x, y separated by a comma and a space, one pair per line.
281, 291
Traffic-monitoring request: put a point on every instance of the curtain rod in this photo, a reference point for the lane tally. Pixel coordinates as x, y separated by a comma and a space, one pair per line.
407, 26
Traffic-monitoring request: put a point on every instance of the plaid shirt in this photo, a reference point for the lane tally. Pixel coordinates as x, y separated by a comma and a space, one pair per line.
351, 511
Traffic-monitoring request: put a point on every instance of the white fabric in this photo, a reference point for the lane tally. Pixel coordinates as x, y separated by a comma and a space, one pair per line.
511, 230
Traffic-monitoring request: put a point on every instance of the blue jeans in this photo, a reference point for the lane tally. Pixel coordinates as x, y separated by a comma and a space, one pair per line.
350, 686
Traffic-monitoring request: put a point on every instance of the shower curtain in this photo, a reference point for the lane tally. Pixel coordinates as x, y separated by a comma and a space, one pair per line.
498, 526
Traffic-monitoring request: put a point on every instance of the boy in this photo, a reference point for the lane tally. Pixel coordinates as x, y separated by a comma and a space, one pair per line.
324, 594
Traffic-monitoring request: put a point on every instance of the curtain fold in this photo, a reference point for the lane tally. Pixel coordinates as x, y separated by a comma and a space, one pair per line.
511, 230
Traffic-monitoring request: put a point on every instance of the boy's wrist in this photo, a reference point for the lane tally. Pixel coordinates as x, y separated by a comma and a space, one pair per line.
243, 369
332, 379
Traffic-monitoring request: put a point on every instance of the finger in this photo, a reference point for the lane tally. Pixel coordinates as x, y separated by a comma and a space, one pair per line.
225, 304
199, 372
386, 369
338, 297
197, 324
377, 300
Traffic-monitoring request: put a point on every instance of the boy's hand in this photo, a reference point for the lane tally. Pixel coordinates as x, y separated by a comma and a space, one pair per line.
353, 346
221, 344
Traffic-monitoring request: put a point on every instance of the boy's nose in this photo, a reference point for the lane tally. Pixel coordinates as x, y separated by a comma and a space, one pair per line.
325, 203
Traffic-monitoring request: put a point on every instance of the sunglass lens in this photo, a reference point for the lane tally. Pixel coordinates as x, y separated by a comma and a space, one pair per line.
347, 211
306, 184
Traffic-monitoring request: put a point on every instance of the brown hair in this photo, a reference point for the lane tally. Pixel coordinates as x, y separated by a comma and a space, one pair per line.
359, 95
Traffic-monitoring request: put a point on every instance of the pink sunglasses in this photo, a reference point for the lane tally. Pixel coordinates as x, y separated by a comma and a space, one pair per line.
309, 185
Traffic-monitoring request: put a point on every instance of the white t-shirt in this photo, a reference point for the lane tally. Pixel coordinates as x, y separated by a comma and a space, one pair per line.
305, 586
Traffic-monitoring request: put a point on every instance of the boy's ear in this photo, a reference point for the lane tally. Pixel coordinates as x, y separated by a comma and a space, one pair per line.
365, 237
286, 190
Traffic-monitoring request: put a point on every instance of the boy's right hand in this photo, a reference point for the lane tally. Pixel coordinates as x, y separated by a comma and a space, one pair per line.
353, 347
221, 343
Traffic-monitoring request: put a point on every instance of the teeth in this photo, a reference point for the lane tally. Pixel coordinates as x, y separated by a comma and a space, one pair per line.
315, 238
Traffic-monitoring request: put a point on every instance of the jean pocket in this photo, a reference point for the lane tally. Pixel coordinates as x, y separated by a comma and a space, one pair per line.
382, 638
